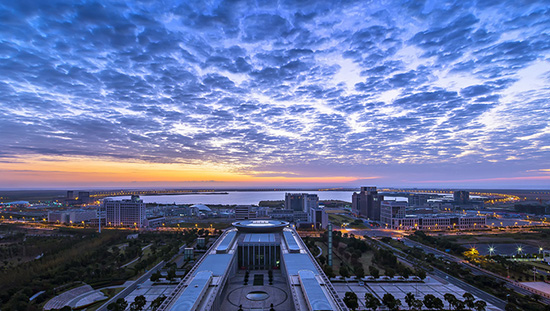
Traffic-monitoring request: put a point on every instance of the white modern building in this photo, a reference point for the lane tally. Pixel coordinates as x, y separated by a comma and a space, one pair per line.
124, 213
393, 215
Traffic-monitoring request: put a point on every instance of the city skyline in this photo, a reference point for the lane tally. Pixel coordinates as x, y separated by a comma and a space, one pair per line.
260, 94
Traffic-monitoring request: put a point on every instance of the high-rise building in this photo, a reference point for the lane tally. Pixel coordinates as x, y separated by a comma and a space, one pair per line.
367, 203
319, 218
301, 202
294, 201
124, 213
461, 197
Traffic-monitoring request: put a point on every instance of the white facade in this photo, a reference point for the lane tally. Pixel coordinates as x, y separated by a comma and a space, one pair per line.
125, 213
438, 222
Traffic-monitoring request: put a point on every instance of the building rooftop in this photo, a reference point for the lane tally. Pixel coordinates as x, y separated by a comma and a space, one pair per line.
189, 298
296, 262
216, 263
216, 281
259, 238
226, 242
291, 243
260, 226
317, 299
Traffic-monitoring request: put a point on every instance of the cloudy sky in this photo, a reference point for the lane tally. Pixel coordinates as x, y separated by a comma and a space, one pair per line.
272, 93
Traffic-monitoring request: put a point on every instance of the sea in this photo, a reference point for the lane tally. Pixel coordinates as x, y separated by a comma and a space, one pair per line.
242, 197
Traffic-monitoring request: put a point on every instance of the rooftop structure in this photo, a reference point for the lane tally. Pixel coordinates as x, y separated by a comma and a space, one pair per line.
260, 225
255, 247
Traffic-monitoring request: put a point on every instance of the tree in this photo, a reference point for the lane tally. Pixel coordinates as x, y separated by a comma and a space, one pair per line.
451, 299
438, 304
350, 299
409, 299
171, 274
138, 304
480, 305
429, 301
417, 305
328, 271
155, 276
119, 305
344, 271
389, 301
157, 302
374, 272
472, 254
359, 272
460, 305
371, 302
469, 300
420, 273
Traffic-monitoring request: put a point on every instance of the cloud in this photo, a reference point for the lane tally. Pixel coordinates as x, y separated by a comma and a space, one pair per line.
258, 87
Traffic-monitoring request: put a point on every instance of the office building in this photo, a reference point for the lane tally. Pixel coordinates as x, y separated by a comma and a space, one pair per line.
319, 218
124, 213
244, 212
390, 210
366, 203
219, 280
301, 202
393, 216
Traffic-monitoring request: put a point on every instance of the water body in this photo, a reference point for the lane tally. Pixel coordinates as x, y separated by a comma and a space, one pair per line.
504, 249
243, 197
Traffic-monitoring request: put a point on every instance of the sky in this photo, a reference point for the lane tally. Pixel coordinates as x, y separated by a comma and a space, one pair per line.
275, 93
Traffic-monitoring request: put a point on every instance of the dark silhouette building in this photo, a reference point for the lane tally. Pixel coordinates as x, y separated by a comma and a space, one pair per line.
461, 197
367, 203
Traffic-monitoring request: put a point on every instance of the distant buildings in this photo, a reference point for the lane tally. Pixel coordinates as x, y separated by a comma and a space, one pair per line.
73, 216
319, 218
82, 198
302, 209
390, 210
124, 213
461, 197
301, 201
393, 215
367, 203
244, 212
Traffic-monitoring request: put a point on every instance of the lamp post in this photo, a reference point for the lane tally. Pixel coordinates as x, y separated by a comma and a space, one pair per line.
491, 250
